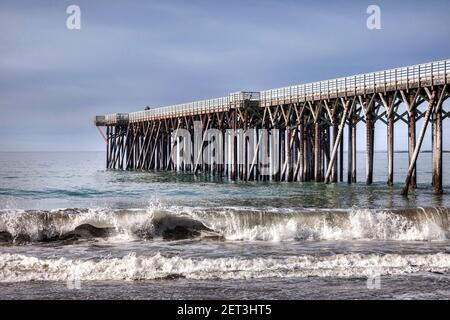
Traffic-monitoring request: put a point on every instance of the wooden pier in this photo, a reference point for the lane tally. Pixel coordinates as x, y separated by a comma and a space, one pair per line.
299, 129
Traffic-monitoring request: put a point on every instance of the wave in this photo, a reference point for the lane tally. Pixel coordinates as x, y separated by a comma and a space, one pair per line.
272, 225
16, 267
73, 224
228, 223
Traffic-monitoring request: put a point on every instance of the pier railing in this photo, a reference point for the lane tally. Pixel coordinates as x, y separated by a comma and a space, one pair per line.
185, 109
427, 74
394, 79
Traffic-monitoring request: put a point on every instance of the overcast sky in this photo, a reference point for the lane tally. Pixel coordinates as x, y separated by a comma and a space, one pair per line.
129, 54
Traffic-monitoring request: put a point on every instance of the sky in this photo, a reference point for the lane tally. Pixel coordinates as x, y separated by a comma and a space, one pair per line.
129, 54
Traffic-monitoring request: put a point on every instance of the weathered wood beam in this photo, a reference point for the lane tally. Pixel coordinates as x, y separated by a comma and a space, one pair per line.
412, 164
437, 149
338, 139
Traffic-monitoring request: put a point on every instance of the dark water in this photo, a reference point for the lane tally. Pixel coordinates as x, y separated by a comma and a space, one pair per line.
70, 229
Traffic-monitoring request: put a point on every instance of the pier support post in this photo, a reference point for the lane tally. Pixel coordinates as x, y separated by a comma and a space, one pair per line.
437, 149
112, 147
317, 151
288, 154
235, 157
108, 145
341, 159
350, 150
353, 147
411, 105
428, 112
311, 155
412, 139
306, 154
338, 141
326, 151
390, 143
241, 156
367, 104
334, 169
233, 147
301, 152
369, 150
389, 105
276, 153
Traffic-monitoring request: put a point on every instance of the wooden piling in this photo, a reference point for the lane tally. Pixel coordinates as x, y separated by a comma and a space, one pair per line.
341, 159
437, 150
412, 137
334, 169
369, 150
108, 146
317, 150
338, 140
412, 165
301, 153
350, 151
288, 155
353, 148
390, 145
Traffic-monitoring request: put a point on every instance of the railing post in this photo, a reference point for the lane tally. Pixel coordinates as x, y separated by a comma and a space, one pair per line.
374, 85
396, 87
445, 72
407, 79
345, 86
328, 89
419, 75
432, 75
364, 84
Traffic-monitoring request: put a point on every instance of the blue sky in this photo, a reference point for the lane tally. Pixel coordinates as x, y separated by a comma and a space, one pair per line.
129, 54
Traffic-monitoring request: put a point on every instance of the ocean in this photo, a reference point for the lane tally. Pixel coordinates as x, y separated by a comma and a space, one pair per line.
69, 229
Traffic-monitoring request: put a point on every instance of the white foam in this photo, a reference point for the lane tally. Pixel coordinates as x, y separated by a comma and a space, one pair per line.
16, 267
353, 225
240, 223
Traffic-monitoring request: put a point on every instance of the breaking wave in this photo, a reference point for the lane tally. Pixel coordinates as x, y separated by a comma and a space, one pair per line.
233, 223
16, 267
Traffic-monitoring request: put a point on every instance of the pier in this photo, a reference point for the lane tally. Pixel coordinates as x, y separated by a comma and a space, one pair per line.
295, 133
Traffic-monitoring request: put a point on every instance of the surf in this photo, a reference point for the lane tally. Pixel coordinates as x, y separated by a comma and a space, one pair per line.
132, 267
171, 223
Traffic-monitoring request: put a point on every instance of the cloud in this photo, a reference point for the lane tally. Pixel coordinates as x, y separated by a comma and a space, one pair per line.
133, 54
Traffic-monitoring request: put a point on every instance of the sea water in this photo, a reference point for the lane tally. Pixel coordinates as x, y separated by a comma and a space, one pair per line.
71, 229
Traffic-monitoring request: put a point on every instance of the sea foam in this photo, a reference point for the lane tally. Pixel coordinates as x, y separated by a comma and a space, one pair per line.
17, 267
234, 223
